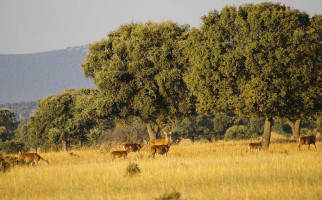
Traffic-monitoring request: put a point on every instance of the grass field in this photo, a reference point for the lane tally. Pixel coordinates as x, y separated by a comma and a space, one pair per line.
218, 170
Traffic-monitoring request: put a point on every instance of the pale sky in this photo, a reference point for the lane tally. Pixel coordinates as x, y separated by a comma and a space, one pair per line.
29, 26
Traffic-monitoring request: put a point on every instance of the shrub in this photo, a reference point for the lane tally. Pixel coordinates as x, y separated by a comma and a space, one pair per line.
170, 196
306, 131
132, 169
12, 147
4, 166
236, 133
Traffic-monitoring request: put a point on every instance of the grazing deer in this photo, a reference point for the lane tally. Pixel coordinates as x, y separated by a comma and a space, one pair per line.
32, 158
133, 147
255, 145
160, 149
310, 139
165, 141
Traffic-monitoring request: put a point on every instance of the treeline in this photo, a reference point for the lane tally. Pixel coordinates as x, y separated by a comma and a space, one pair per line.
260, 62
71, 120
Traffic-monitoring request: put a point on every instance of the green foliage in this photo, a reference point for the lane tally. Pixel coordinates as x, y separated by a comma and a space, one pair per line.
138, 70
261, 61
202, 127
21, 133
95, 135
281, 127
7, 124
237, 133
4, 166
12, 147
258, 61
253, 125
66, 117
132, 169
194, 128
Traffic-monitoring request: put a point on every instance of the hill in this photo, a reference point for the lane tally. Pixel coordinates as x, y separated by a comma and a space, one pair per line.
28, 77
22, 110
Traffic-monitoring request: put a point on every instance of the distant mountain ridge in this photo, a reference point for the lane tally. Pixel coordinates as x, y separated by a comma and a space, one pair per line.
28, 77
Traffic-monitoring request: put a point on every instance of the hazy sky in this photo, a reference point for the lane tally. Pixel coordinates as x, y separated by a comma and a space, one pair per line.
28, 26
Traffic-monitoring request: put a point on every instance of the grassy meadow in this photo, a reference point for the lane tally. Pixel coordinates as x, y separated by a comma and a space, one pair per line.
218, 170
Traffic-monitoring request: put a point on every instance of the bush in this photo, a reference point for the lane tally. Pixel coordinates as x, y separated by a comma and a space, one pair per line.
236, 133
7, 163
305, 131
4, 166
95, 135
170, 196
281, 127
132, 169
12, 147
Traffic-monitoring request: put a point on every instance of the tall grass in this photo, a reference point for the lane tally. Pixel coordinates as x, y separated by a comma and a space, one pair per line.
218, 170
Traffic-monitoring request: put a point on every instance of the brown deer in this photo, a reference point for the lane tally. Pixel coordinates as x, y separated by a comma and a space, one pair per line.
32, 158
160, 149
165, 141
119, 154
310, 139
255, 145
133, 147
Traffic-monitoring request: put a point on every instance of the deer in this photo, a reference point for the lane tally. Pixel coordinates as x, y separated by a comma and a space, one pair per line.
160, 149
120, 154
161, 146
255, 145
133, 147
32, 158
165, 141
309, 139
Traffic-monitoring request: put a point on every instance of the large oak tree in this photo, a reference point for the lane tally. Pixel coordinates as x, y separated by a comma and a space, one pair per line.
138, 70
257, 60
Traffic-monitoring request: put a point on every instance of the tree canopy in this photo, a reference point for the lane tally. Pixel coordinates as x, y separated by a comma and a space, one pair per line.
7, 124
138, 69
257, 60
64, 118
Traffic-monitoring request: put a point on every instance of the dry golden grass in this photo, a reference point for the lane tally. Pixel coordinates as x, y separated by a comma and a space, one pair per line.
218, 170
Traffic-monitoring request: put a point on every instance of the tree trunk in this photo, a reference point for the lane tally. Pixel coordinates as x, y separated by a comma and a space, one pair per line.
295, 127
152, 131
64, 145
267, 132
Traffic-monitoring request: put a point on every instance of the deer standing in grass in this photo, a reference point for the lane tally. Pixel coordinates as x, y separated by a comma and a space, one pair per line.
165, 141
255, 145
133, 147
160, 149
120, 154
32, 158
310, 139
160, 146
